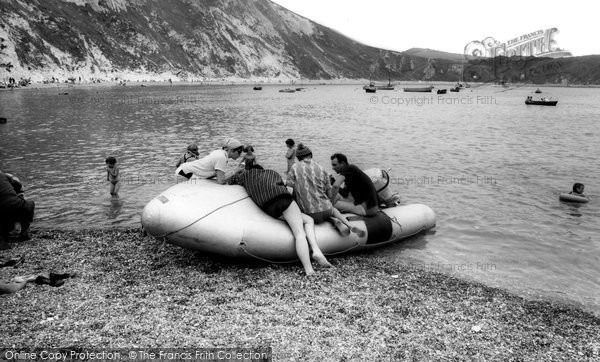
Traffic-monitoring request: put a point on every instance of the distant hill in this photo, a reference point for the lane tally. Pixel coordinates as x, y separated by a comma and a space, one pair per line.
226, 40
435, 54
536, 70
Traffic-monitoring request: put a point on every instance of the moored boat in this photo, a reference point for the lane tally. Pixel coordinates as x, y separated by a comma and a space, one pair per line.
419, 89
442, 91
257, 88
542, 102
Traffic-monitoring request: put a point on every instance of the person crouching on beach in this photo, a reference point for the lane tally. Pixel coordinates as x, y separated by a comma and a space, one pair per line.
267, 190
14, 209
112, 175
214, 164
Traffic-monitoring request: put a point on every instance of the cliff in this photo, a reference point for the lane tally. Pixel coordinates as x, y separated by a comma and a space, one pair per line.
220, 39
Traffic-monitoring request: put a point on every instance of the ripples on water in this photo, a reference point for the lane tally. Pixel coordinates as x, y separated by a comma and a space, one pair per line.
492, 172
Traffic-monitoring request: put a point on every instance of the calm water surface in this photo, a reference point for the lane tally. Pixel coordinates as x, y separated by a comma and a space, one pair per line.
490, 166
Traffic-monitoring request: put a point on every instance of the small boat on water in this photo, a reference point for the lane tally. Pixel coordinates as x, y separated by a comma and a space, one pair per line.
385, 87
389, 86
287, 90
538, 91
455, 89
542, 102
420, 89
371, 88
257, 88
442, 91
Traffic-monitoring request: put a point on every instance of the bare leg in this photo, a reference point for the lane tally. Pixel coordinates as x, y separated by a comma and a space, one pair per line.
293, 217
309, 227
347, 206
338, 215
117, 188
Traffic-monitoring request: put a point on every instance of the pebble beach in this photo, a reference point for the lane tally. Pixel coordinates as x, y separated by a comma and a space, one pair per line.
133, 291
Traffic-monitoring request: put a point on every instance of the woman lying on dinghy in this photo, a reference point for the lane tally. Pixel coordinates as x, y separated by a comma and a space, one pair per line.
214, 164
267, 190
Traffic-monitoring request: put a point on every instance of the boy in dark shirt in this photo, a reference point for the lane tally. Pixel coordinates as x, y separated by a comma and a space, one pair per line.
358, 184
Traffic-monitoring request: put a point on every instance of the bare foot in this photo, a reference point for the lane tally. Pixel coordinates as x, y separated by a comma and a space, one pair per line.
343, 229
359, 232
321, 260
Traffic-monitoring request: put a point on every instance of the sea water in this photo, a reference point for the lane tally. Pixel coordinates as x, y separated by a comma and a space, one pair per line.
490, 166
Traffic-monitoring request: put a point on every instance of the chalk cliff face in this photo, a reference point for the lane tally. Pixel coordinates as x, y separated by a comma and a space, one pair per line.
223, 39
182, 38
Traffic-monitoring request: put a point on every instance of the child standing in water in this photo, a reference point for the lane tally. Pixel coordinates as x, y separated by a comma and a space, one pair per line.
112, 175
290, 154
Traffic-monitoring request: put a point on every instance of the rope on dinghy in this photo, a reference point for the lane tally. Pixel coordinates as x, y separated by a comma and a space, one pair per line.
202, 217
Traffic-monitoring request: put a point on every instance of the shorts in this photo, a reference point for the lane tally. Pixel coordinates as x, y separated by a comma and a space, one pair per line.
321, 216
186, 175
114, 182
278, 205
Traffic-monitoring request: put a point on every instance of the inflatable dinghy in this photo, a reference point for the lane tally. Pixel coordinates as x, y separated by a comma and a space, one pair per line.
573, 198
203, 215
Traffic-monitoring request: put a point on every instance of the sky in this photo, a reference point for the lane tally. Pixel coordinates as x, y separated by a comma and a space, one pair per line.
449, 25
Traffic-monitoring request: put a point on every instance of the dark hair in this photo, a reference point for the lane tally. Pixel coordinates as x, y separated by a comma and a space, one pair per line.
111, 160
290, 142
576, 186
248, 148
256, 166
340, 157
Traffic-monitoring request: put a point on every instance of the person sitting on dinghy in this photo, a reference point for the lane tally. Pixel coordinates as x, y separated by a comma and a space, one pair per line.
214, 164
313, 190
267, 190
191, 154
358, 185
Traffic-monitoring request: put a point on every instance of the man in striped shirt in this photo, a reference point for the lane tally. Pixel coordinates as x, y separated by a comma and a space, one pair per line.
313, 191
267, 190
